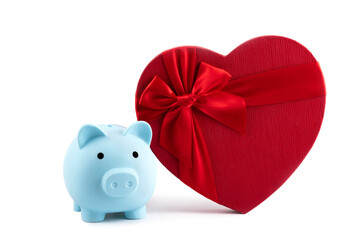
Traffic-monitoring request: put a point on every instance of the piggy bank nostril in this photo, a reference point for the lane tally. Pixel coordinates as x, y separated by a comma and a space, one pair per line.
129, 184
114, 184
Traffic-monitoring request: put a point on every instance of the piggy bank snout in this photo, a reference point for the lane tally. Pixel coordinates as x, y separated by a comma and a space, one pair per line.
119, 182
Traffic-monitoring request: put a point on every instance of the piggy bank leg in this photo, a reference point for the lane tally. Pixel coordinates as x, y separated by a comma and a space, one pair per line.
76, 207
136, 214
91, 216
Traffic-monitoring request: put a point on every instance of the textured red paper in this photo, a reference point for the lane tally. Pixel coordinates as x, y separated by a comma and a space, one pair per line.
249, 168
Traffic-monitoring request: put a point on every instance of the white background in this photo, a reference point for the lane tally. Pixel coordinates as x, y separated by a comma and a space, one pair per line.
67, 63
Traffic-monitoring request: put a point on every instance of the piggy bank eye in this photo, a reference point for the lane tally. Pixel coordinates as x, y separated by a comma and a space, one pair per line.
135, 154
100, 155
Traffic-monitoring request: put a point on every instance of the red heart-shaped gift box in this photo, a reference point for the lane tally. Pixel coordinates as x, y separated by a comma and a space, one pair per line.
235, 127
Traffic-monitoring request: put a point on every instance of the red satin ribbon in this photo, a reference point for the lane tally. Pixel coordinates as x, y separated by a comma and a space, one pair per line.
212, 93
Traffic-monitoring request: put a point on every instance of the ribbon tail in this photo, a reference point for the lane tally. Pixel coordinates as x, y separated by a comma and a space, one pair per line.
176, 134
200, 176
181, 136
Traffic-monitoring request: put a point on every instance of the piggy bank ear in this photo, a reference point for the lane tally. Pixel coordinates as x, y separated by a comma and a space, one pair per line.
140, 129
87, 133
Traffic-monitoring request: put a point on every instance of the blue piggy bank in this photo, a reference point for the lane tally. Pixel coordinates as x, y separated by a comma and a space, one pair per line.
109, 168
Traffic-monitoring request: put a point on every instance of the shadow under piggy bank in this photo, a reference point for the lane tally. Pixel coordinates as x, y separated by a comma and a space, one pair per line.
175, 205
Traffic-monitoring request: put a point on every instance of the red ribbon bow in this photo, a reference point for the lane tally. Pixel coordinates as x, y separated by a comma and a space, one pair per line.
206, 96
211, 93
